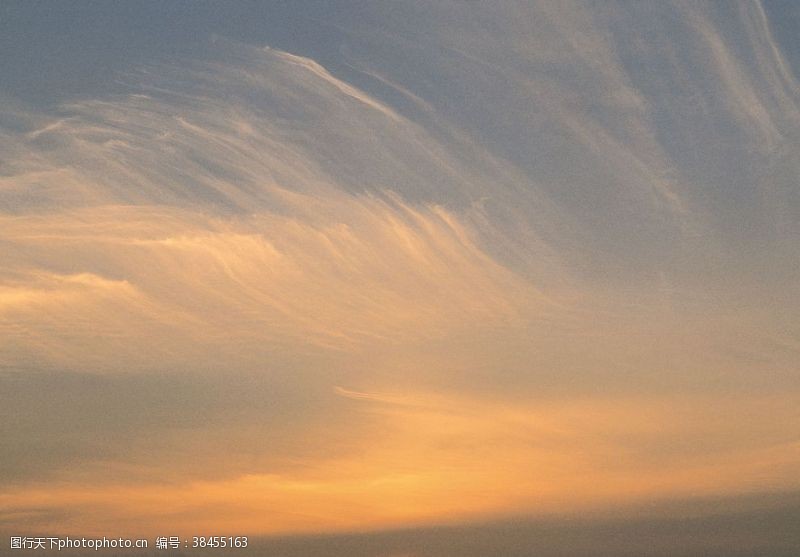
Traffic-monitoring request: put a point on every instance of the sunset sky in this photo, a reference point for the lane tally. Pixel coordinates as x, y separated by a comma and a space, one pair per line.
347, 268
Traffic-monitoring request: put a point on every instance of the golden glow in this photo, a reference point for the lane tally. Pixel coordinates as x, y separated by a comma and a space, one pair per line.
440, 460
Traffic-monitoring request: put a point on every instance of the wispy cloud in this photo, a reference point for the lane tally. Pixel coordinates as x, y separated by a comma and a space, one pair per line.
565, 280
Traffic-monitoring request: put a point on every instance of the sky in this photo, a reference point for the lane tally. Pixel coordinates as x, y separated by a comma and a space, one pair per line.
381, 277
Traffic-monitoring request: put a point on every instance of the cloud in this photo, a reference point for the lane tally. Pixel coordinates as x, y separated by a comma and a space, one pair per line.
560, 278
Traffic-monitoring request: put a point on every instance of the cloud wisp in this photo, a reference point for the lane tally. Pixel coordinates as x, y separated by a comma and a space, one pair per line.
553, 274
